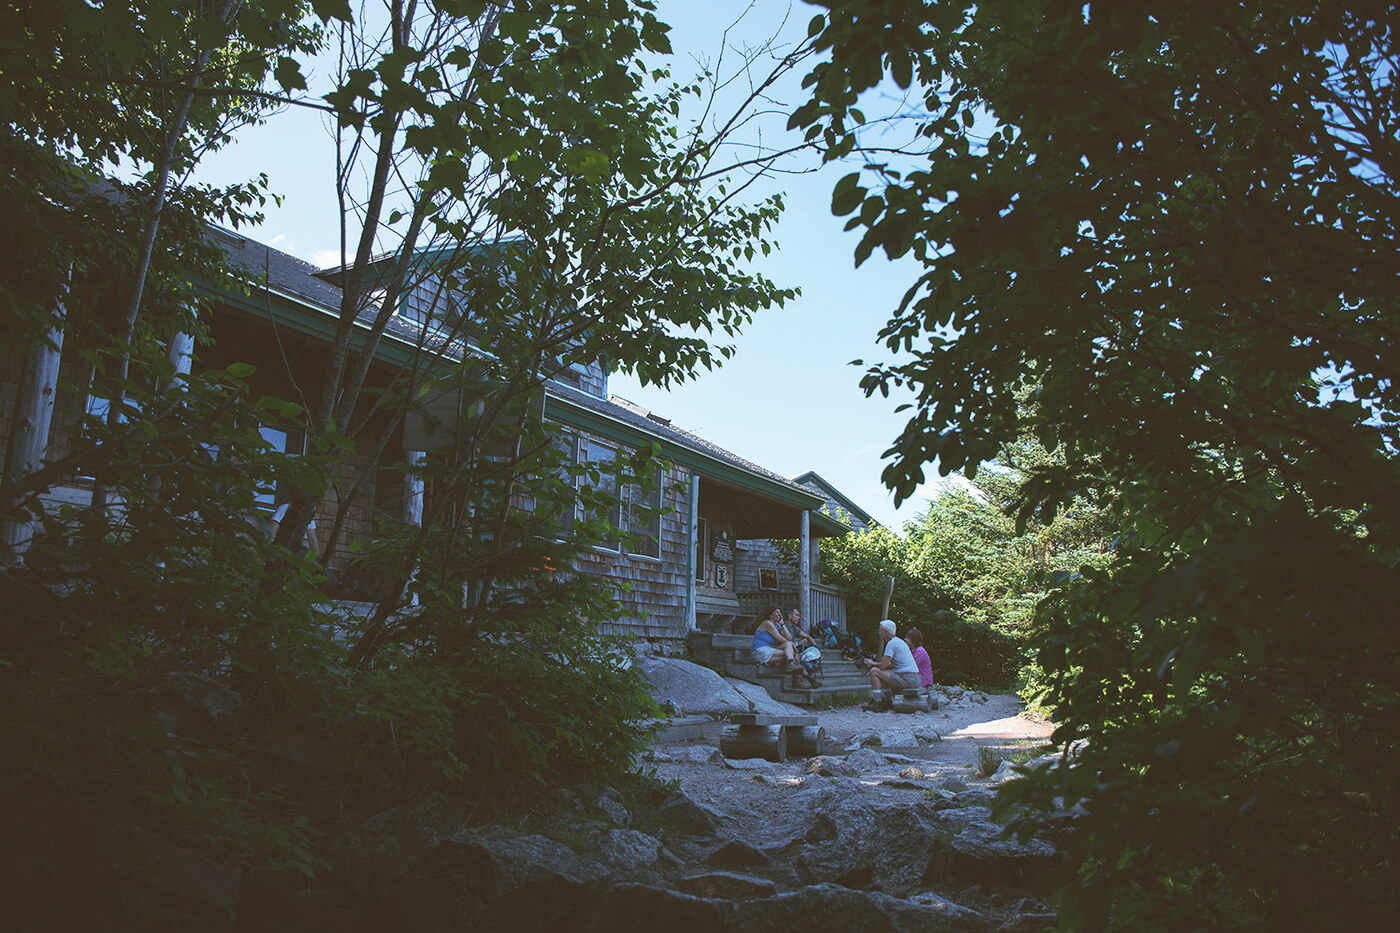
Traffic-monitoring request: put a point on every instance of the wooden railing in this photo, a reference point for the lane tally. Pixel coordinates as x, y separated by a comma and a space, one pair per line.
827, 603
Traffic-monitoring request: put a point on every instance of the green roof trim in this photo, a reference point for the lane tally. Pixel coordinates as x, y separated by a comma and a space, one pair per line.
308, 319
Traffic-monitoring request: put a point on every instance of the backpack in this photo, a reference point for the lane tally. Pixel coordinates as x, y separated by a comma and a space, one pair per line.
827, 634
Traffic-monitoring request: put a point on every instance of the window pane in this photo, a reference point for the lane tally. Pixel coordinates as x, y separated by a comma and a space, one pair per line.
267, 489
645, 521
604, 456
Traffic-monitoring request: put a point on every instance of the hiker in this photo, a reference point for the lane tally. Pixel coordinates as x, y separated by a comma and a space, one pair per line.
770, 645
895, 671
915, 639
809, 653
800, 637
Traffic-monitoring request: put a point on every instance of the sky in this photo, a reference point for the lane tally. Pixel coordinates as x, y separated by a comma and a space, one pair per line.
788, 400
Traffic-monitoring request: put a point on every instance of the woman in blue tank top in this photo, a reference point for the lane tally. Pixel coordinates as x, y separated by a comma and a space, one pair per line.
769, 645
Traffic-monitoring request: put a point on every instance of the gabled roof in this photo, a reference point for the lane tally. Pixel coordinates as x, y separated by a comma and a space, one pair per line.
303, 297
813, 479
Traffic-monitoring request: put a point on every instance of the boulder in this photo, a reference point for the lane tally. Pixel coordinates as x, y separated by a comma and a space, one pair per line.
632, 906
1028, 923
904, 784
887, 737
761, 765
729, 885
496, 879
982, 853
763, 702
926, 734
626, 852
737, 854
692, 687
829, 766
909, 846
851, 911
414, 829
956, 916
865, 760
688, 815
196, 705
614, 811
695, 754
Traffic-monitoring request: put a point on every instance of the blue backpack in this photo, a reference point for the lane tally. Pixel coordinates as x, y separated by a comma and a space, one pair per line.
827, 634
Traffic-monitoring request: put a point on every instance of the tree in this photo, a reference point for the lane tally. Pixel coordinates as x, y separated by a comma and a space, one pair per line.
966, 577
171, 681
1177, 223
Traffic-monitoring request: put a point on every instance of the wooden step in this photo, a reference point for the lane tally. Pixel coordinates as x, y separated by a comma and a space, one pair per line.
731, 654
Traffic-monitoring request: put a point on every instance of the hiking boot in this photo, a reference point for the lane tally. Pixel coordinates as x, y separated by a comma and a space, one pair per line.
872, 706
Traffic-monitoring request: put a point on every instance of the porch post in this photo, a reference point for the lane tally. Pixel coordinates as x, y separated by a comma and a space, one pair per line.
692, 550
29, 434
413, 487
804, 570
413, 500
180, 352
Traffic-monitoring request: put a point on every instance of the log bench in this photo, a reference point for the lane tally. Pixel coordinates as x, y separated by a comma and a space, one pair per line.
913, 701
760, 735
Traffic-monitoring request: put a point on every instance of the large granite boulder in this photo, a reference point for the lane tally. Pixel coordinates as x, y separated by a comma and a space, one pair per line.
691, 687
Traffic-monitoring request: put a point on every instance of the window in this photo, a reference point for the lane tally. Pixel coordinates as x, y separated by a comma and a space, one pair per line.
548, 494
601, 458
644, 519
767, 578
283, 441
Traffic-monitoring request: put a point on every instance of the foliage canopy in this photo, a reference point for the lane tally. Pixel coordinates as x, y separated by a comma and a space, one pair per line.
171, 679
1178, 223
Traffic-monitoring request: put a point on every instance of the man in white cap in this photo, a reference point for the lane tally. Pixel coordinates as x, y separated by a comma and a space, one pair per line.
895, 671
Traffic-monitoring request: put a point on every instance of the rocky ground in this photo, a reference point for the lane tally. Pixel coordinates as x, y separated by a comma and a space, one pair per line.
889, 830
897, 807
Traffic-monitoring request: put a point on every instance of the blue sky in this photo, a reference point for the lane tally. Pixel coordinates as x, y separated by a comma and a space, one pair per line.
788, 399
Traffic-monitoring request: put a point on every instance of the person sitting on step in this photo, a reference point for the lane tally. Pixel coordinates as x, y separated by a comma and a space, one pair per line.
894, 672
770, 645
915, 639
809, 653
801, 638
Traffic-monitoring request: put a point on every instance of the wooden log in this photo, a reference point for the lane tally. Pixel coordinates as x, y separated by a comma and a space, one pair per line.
768, 719
767, 742
806, 741
911, 701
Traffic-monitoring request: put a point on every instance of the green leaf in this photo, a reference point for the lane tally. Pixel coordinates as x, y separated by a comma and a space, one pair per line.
288, 74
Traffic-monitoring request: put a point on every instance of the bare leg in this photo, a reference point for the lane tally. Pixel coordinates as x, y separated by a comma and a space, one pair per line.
879, 679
